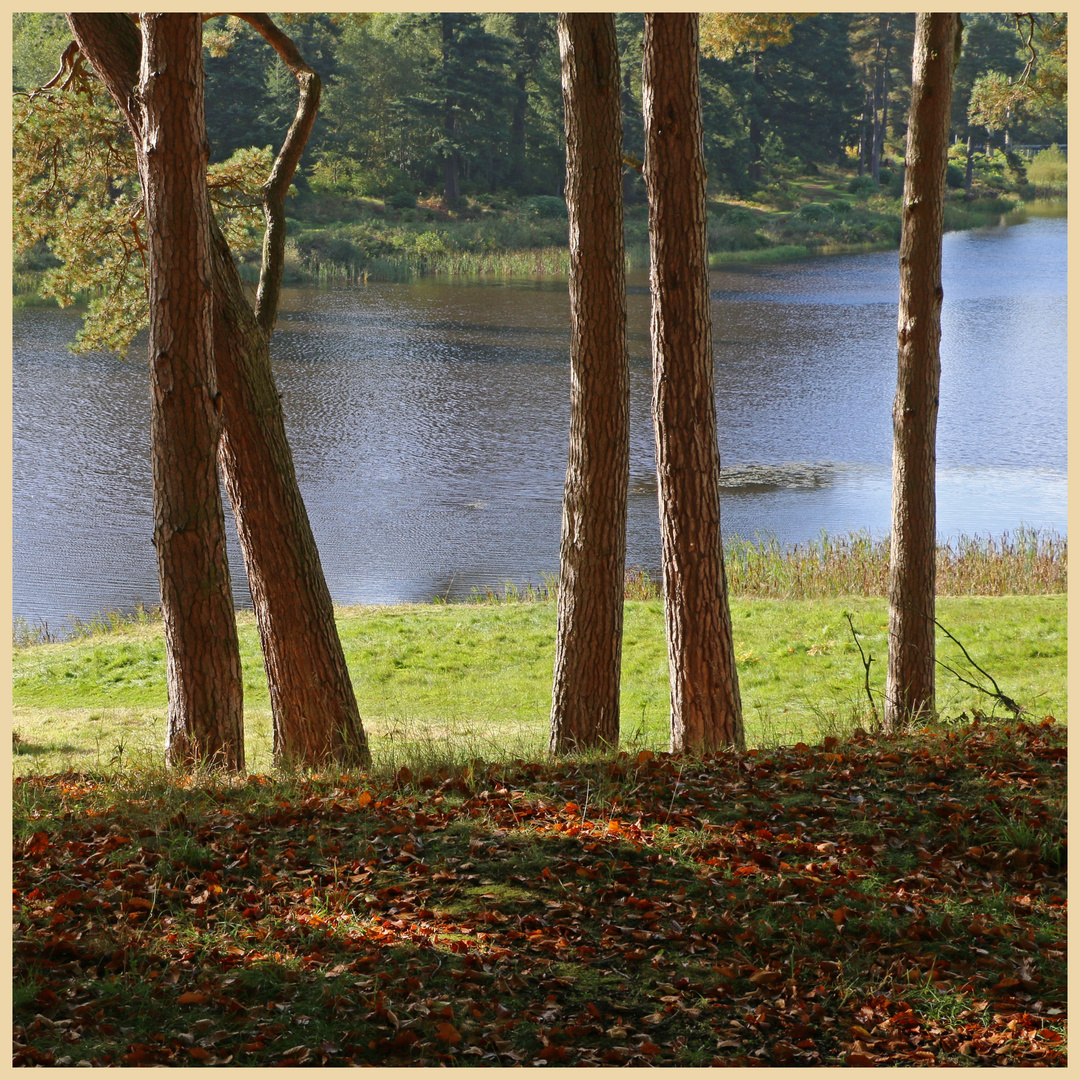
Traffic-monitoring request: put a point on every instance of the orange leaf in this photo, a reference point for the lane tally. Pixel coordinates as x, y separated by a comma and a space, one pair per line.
860, 1060
765, 977
839, 916
139, 903
36, 844
364, 798
447, 1033
192, 997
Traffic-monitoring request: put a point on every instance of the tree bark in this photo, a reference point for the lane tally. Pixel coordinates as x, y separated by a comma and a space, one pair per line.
706, 711
316, 718
588, 649
909, 689
205, 686
312, 698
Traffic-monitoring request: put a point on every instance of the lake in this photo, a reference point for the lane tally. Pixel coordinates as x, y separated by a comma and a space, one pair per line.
429, 423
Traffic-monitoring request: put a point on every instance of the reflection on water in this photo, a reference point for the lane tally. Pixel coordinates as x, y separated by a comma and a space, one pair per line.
429, 422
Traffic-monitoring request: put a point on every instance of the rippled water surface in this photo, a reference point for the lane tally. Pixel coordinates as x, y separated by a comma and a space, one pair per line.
429, 422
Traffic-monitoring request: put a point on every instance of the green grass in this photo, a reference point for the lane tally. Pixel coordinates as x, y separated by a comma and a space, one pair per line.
450, 682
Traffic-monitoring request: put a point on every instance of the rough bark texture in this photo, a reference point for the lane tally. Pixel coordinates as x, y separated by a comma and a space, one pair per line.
909, 687
314, 705
706, 711
588, 649
205, 716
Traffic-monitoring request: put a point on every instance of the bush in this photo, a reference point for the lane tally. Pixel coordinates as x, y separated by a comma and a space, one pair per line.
815, 212
1049, 168
954, 176
840, 208
402, 200
861, 186
545, 206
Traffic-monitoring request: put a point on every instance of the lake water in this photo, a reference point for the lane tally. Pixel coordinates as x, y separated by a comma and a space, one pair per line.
429, 423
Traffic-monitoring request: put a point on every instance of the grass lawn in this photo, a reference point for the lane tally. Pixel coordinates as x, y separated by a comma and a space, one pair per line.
447, 683
874, 901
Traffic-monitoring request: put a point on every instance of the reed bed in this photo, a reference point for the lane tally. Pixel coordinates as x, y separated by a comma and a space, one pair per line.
1025, 562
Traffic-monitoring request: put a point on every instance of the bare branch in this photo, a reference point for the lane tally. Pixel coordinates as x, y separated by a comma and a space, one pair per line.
867, 660
277, 186
995, 693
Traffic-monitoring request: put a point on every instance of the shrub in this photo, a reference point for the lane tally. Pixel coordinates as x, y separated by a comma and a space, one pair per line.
954, 175
1049, 168
546, 206
402, 200
861, 186
815, 212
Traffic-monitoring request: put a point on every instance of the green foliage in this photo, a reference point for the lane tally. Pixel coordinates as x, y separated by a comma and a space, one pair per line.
1049, 168
74, 187
77, 196
38, 39
816, 212
862, 186
546, 206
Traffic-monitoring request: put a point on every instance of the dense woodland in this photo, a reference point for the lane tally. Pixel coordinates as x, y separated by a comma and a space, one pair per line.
457, 105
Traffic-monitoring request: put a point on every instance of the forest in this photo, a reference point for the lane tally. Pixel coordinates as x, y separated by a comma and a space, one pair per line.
439, 141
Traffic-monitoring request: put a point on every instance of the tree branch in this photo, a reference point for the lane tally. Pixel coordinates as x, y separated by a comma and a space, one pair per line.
276, 187
111, 42
1005, 700
867, 660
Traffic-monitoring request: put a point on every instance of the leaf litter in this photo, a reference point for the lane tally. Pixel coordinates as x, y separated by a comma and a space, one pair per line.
884, 901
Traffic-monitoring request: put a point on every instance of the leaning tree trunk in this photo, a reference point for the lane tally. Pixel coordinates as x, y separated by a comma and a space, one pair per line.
588, 648
205, 711
314, 705
909, 686
706, 711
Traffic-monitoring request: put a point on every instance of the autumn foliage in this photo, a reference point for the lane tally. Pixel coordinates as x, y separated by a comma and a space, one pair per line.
885, 901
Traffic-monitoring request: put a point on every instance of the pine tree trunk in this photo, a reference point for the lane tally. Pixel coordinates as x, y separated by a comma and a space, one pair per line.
205, 712
518, 146
588, 650
909, 689
314, 706
706, 711
316, 718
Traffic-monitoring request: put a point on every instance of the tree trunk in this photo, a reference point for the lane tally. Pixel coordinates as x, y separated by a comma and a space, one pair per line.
909, 689
316, 718
969, 164
706, 711
867, 105
518, 147
588, 650
451, 187
313, 702
205, 712
756, 169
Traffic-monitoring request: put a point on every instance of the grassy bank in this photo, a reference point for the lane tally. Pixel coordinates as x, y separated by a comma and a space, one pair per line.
875, 902
445, 683
337, 240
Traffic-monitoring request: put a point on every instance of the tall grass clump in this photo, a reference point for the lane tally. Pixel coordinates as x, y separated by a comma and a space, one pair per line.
1049, 169
1026, 562
25, 633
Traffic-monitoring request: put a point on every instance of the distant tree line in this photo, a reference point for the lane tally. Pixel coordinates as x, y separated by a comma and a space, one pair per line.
459, 103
